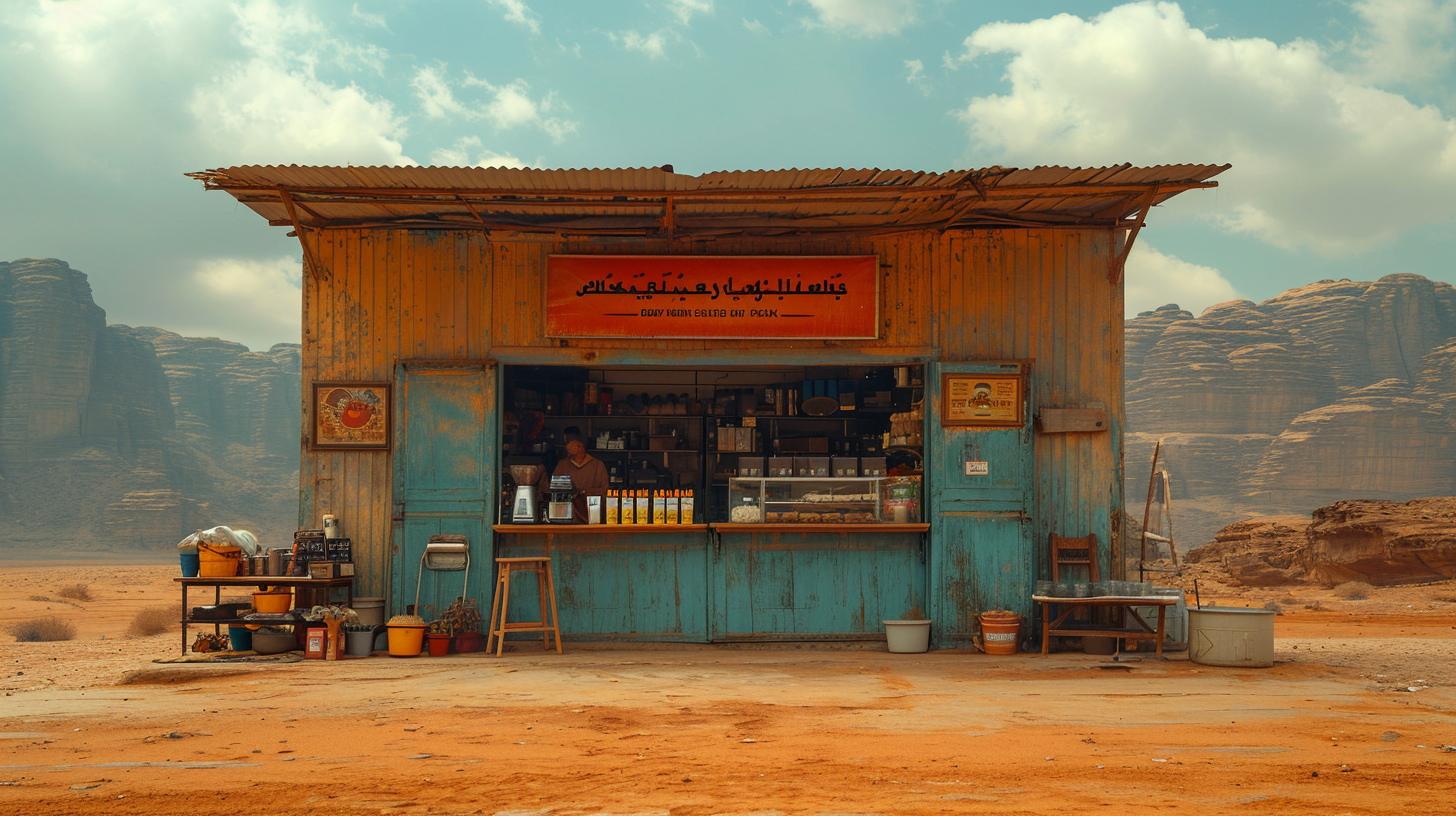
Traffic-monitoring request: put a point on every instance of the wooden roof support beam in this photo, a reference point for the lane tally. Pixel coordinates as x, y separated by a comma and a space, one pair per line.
669, 223
310, 263
1114, 270
473, 211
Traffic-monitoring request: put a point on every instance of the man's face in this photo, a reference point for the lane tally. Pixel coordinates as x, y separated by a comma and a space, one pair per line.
575, 449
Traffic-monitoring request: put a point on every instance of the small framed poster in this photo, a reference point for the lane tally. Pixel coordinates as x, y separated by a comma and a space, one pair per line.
351, 416
987, 400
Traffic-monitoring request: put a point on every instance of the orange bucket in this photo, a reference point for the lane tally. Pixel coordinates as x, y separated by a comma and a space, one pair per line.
277, 602
1000, 632
406, 640
218, 560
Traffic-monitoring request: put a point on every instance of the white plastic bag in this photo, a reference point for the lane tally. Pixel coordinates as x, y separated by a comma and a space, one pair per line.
247, 541
188, 545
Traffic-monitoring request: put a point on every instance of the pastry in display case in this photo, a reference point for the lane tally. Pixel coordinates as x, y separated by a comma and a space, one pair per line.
804, 500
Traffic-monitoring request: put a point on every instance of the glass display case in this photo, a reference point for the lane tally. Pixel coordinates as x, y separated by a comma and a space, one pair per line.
809, 500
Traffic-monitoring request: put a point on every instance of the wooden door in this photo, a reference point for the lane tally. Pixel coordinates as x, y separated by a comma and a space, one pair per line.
444, 476
981, 554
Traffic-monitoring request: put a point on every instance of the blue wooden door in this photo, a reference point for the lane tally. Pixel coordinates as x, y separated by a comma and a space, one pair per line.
981, 554
444, 472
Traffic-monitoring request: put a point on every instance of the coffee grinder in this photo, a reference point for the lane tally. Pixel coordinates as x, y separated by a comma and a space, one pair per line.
559, 510
523, 505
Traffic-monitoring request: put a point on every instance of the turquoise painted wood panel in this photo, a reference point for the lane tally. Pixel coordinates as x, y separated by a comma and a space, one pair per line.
646, 586
981, 554
814, 585
444, 472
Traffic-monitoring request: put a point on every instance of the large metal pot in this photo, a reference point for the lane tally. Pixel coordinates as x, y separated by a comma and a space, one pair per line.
266, 642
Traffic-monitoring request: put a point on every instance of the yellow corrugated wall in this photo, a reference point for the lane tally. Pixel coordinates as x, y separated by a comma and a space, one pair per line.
385, 295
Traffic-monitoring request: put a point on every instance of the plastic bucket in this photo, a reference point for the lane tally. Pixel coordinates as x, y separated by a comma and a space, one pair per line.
190, 564
407, 640
1229, 636
371, 613
277, 602
359, 643
218, 560
240, 638
907, 637
1000, 632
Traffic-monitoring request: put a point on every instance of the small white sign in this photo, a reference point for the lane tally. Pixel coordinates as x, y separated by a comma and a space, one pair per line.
978, 468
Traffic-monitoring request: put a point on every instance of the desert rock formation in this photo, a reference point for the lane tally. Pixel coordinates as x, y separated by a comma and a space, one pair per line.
1381, 543
129, 438
1336, 390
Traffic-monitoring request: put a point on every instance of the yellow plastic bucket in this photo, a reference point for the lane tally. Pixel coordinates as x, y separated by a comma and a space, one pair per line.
406, 640
218, 560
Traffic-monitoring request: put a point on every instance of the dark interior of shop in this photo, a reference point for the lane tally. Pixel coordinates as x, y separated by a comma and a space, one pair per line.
707, 430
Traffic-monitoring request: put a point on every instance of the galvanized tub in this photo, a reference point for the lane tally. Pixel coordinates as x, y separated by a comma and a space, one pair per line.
1228, 636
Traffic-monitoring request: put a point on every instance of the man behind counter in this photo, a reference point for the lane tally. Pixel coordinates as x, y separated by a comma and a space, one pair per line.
588, 475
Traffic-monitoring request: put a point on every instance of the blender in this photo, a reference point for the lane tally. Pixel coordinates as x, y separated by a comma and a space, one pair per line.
523, 506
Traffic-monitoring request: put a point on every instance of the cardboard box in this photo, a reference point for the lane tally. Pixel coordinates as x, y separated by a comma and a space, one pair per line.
316, 644
323, 569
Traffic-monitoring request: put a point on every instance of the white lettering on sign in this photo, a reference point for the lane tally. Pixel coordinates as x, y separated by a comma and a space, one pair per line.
978, 468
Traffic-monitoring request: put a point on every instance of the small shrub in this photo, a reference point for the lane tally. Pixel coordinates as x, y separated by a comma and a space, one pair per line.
1354, 591
76, 592
39, 630
154, 620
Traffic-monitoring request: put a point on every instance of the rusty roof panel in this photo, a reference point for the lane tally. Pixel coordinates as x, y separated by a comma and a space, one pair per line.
636, 199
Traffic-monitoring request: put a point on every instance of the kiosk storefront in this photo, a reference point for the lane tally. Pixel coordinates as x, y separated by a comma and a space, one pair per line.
825, 398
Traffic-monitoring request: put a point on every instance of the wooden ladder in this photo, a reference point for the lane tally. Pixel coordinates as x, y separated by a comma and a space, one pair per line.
1160, 491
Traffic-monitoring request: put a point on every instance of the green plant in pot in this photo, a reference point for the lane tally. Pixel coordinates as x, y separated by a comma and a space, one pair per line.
910, 634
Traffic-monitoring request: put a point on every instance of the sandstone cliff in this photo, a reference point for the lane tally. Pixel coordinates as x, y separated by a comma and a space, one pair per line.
1336, 390
125, 438
1380, 543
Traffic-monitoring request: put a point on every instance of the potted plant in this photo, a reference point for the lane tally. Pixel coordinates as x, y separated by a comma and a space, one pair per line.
463, 619
910, 634
438, 637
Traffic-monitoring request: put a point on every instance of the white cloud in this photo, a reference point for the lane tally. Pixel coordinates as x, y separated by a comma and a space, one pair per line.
1152, 279
684, 10
865, 18
915, 69
1320, 160
250, 298
433, 91
519, 13
264, 113
653, 45
459, 155
755, 27
370, 20
1408, 41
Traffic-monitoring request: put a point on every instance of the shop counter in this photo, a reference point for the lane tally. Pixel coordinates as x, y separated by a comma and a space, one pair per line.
259, 581
599, 529
821, 528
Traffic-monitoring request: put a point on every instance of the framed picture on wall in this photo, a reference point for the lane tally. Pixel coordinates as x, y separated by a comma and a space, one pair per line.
986, 400
351, 416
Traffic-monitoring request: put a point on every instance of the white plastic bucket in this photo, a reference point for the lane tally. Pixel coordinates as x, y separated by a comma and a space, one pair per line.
1175, 620
907, 637
371, 613
1229, 636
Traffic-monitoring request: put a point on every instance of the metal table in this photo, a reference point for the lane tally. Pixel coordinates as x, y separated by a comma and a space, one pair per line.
1051, 627
259, 581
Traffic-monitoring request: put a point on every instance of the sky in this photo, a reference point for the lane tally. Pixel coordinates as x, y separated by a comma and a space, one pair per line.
1339, 119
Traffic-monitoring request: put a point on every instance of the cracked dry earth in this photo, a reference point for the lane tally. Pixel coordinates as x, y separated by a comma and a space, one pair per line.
94, 726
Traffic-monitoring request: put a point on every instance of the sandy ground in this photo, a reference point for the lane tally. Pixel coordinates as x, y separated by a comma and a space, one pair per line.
1355, 717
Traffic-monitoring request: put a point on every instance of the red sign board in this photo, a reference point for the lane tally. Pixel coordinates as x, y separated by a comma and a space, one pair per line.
724, 297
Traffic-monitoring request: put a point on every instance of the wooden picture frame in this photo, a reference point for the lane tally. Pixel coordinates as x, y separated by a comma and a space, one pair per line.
351, 416
982, 400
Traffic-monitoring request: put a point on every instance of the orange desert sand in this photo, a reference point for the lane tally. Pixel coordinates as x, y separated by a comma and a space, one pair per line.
1357, 716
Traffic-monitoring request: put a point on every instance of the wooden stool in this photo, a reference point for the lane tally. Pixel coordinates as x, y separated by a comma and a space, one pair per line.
498, 626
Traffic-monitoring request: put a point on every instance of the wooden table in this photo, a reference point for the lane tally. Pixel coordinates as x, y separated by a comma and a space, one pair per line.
1051, 627
259, 581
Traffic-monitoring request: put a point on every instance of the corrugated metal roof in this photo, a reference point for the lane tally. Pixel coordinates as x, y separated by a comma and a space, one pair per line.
656, 200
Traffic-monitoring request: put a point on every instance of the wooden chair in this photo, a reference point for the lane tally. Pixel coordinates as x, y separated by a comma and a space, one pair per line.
1076, 552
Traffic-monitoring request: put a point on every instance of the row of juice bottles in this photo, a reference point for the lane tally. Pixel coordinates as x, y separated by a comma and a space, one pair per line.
649, 506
